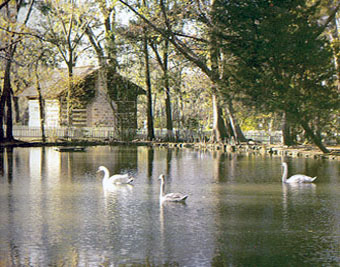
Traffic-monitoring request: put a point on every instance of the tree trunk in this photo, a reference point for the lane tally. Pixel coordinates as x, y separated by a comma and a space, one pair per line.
286, 134
181, 118
169, 124
168, 112
334, 37
6, 102
16, 108
41, 107
9, 119
219, 129
317, 141
2, 112
151, 133
237, 132
110, 45
69, 93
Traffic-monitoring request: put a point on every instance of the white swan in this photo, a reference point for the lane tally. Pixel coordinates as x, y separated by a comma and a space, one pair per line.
174, 197
297, 178
115, 179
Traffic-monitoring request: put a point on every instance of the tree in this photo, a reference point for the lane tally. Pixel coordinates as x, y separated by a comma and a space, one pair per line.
66, 23
284, 64
203, 48
11, 23
40, 71
105, 36
136, 41
330, 9
163, 62
163, 53
105, 46
150, 125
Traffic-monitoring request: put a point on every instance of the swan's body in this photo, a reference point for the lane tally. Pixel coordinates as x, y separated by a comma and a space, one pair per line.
297, 178
117, 179
174, 197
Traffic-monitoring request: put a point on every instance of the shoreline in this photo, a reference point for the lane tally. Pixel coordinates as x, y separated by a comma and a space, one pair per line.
306, 151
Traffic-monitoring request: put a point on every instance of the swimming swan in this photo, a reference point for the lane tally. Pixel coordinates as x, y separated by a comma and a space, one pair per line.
174, 197
297, 178
115, 179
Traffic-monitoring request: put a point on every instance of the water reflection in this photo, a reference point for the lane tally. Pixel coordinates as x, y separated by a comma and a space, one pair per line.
294, 195
54, 210
2, 161
150, 158
6, 163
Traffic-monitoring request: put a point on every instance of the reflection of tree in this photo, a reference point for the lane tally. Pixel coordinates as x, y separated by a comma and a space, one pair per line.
9, 153
118, 159
305, 209
43, 162
307, 167
6, 159
126, 158
2, 161
150, 157
168, 161
220, 175
294, 194
224, 166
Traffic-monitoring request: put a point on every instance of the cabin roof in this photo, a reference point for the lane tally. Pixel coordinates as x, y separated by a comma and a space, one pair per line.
55, 84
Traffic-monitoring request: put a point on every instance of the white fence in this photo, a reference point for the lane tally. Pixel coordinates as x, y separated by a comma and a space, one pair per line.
110, 133
273, 137
63, 132
102, 133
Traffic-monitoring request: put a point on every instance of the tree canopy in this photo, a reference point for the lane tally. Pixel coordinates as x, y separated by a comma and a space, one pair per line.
283, 62
268, 56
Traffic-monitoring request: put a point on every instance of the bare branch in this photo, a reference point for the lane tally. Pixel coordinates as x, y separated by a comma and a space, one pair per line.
171, 37
158, 57
329, 19
21, 33
4, 3
10, 44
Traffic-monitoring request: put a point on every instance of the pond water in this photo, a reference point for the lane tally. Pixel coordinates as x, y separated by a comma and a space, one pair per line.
55, 212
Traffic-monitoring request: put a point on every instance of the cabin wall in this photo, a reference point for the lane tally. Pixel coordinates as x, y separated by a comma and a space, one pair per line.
52, 113
78, 116
51, 108
34, 113
99, 111
127, 114
95, 112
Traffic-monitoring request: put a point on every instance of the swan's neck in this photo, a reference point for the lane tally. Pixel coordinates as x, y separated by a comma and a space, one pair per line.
285, 173
106, 176
161, 191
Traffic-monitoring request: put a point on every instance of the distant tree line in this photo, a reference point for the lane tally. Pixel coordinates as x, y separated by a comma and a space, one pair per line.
224, 65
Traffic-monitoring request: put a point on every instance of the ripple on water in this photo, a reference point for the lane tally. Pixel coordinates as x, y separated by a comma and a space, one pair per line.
55, 211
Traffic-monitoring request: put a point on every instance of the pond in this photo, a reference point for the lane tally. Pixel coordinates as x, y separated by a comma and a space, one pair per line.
55, 212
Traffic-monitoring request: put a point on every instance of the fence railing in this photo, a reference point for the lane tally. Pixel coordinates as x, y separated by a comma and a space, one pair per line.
63, 132
111, 133
273, 137
268, 137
